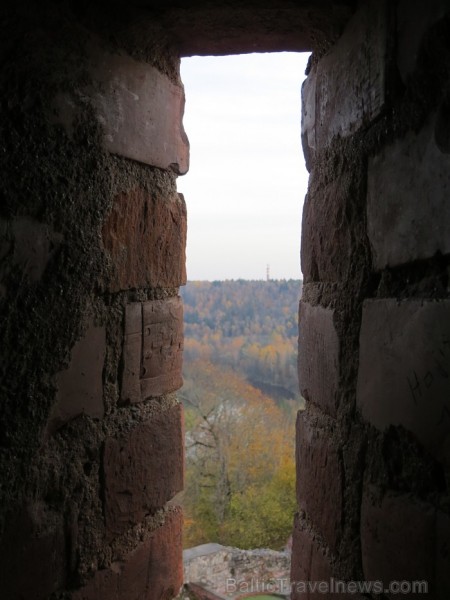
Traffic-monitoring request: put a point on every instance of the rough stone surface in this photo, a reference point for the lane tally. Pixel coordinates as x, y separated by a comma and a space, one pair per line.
309, 119
274, 26
66, 179
414, 18
309, 566
162, 346
153, 346
34, 244
80, 386
318, 356
139, 109
145, 235
143, 469
327, 249
131, 354
349, 87
231, 572
404, 369
442, 555
199, 592
386, 527
319, 479
407, 200
312, 575
32, 554
152, 571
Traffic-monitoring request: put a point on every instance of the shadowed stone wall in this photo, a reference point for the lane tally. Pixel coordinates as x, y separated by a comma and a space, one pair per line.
92, 238
373, 446
92, 253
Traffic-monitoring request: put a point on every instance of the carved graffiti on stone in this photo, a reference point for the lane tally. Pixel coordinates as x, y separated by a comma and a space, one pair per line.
153, 346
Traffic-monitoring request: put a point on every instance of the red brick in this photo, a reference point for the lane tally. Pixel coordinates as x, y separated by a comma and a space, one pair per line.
141, 111
32, 555
162, 347
318, 356
146, 238
154, 571
80, 386
397, 539
153, 349
139, 108
143, 469
319, 479
131, 355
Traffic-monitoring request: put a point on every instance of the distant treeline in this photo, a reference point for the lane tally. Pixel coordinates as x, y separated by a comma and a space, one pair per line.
248, 326
241, 399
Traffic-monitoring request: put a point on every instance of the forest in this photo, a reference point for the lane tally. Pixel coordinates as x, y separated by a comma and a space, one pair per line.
241, 398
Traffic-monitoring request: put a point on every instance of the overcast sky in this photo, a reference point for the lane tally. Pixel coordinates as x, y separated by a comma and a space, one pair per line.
247, 178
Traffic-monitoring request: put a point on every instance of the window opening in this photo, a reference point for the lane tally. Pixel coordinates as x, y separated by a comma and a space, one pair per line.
244, 194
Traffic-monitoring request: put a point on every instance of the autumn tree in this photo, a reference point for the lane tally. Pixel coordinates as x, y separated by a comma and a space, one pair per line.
240, 462
248, 326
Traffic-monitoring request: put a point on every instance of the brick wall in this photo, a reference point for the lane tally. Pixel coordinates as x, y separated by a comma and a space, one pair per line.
373, 462
92, 238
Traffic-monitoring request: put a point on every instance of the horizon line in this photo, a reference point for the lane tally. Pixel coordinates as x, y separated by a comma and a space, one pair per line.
241, 279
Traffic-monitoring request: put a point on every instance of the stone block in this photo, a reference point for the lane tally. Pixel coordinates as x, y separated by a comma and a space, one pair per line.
162, 346
139, 109
153, 570
145, 236
310, 567
407, 200
311, 570
404, 369
143, 469
397, 540
328, 239
153, 349
318, 356
309, 119
349, 87
80, 386
32, 554
414, 18
131, 354
319, 479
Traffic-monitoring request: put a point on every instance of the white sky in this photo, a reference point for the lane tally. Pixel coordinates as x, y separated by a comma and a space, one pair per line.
247, 177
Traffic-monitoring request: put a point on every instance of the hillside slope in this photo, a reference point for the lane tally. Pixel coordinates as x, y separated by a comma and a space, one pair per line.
247, 326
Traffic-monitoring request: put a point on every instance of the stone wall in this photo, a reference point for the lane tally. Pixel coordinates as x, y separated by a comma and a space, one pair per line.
373, 446
92, 237
231, 572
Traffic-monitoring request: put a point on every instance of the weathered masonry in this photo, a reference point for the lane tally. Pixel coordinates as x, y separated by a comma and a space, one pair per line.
92, 239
